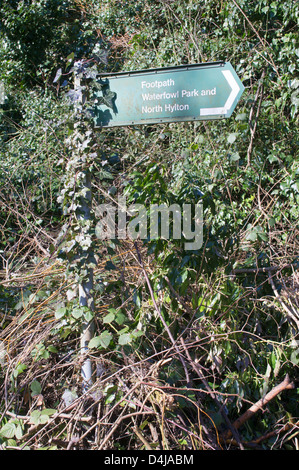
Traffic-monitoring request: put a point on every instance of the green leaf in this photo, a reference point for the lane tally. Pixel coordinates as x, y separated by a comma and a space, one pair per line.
272, 158
60, 312
70, 58
110, 398
19, 369
19, 432
71, 294
252, 235
58, 75
124, 339
136, 299
8, 430
35, 417
109, 318
272, 360
13, 443
108, 97
110, 266
101, 341
48, 411
241, 117
232, 137
43, 419
120, 318
94, 342
184, 275
35, 388
263, 236
105, 338
235, 157
88, 315
77, 312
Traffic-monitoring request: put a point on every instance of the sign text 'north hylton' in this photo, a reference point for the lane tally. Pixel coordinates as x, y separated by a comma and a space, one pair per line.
184, 93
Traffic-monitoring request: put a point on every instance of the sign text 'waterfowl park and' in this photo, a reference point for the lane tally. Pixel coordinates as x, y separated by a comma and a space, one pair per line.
172, 94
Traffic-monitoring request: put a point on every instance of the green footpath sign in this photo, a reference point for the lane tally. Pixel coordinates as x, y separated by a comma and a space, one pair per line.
183, 93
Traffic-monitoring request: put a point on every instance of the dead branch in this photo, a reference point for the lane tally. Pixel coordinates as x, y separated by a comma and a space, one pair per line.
265, 269
258, 98
291, 313
142, 438
286, 384
197, 369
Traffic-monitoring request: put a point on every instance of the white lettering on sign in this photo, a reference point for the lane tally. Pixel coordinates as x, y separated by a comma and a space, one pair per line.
159, 96
152, 109
208, 92
176, 107
157, 83
175, 96
189, 93
195, 92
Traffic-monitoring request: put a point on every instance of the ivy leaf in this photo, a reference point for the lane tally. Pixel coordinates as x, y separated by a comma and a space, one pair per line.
91, 74
74, 96
71, 294
107, 98
241, 117
110, 266
77, 313
60, 312
100, 55
232, 137
58, 75
70, 59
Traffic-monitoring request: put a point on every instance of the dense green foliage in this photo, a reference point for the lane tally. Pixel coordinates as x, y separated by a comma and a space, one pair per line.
230, 307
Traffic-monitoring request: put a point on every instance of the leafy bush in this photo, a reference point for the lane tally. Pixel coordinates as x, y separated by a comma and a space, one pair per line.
191, 337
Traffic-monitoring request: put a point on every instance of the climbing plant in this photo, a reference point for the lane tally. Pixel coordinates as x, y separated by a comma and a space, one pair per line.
183, 342
77, 238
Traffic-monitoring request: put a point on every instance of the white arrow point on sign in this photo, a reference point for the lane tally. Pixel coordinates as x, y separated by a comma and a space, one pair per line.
234, 86
230, 100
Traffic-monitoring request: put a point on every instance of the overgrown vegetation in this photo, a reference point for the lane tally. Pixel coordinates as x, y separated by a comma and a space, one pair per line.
184, 342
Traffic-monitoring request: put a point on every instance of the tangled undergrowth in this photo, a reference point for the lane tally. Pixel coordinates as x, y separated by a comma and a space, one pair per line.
156, 393
191, 349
